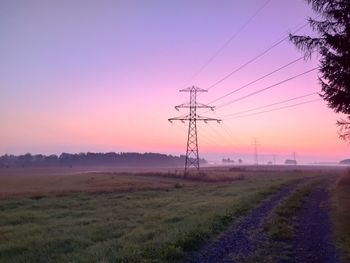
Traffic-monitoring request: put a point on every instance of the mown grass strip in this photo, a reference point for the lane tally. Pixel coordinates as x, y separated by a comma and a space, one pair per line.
341, 215
280, 225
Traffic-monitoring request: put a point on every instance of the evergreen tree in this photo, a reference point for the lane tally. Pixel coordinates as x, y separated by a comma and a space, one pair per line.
332, 26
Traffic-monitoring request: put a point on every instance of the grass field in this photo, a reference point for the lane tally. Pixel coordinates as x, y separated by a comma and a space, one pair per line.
141, 217
280, 225
341, 214
52, 181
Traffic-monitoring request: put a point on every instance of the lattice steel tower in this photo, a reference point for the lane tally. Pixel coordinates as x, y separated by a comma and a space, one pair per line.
192, 156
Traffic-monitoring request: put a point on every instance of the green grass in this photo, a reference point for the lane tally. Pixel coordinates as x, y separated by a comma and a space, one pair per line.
341, 215
144, 226
279, 225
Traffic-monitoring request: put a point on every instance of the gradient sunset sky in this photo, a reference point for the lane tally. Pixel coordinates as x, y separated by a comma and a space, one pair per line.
78, 76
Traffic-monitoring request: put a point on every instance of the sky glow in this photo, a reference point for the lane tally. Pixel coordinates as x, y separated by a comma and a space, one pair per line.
79, 76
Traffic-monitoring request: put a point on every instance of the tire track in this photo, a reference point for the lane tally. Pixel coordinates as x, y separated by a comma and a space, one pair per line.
312, 240
244, 236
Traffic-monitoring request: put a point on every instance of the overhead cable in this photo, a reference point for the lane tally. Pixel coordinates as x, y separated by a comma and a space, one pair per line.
229, 40
276, 109
267, 88
258, 79
275, 44
269, 105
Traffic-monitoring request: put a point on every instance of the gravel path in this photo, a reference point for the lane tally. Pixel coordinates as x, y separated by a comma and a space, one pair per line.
243, 237
313, 241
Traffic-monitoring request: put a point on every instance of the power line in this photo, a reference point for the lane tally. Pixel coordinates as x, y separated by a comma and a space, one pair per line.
267, 88
232, 37
207, 129
213, 132
228, 132
210, 138
276, 109
226, 129
258, 79
207, 138
269, 105
220, 131
277, 43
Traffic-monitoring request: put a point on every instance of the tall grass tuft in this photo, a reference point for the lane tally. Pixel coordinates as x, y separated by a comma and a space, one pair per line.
341, 214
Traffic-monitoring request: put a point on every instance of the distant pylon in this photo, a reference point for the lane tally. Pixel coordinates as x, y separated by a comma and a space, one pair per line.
256, 160
192, 156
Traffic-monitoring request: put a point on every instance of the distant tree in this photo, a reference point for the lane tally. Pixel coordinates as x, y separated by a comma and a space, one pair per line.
333, 44
25, 159
346, 161
228, 160
51, 160
111, 158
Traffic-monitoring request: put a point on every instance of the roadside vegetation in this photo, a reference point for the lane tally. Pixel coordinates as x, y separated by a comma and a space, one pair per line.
149, 226
341, 214
279, 226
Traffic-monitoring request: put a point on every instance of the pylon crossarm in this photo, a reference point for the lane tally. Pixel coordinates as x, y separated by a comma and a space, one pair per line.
180, 118
198, 106
193, 89
192, 156
197, 118
205, 119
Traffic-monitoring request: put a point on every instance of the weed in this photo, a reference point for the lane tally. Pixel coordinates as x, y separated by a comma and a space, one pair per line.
341, 214
141, 226
279, 226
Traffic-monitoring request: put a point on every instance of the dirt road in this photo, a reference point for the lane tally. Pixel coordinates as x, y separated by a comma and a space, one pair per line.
311, 240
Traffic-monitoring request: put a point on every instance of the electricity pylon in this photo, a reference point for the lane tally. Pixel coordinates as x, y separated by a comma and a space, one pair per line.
192, 157
256, 144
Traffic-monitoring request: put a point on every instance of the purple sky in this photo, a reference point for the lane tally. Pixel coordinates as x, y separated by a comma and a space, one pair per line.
104, 76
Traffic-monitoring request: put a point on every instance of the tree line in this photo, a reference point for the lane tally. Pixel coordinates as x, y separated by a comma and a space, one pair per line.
90, 159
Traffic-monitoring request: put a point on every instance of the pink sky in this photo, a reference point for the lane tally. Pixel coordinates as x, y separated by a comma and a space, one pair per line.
104, 76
